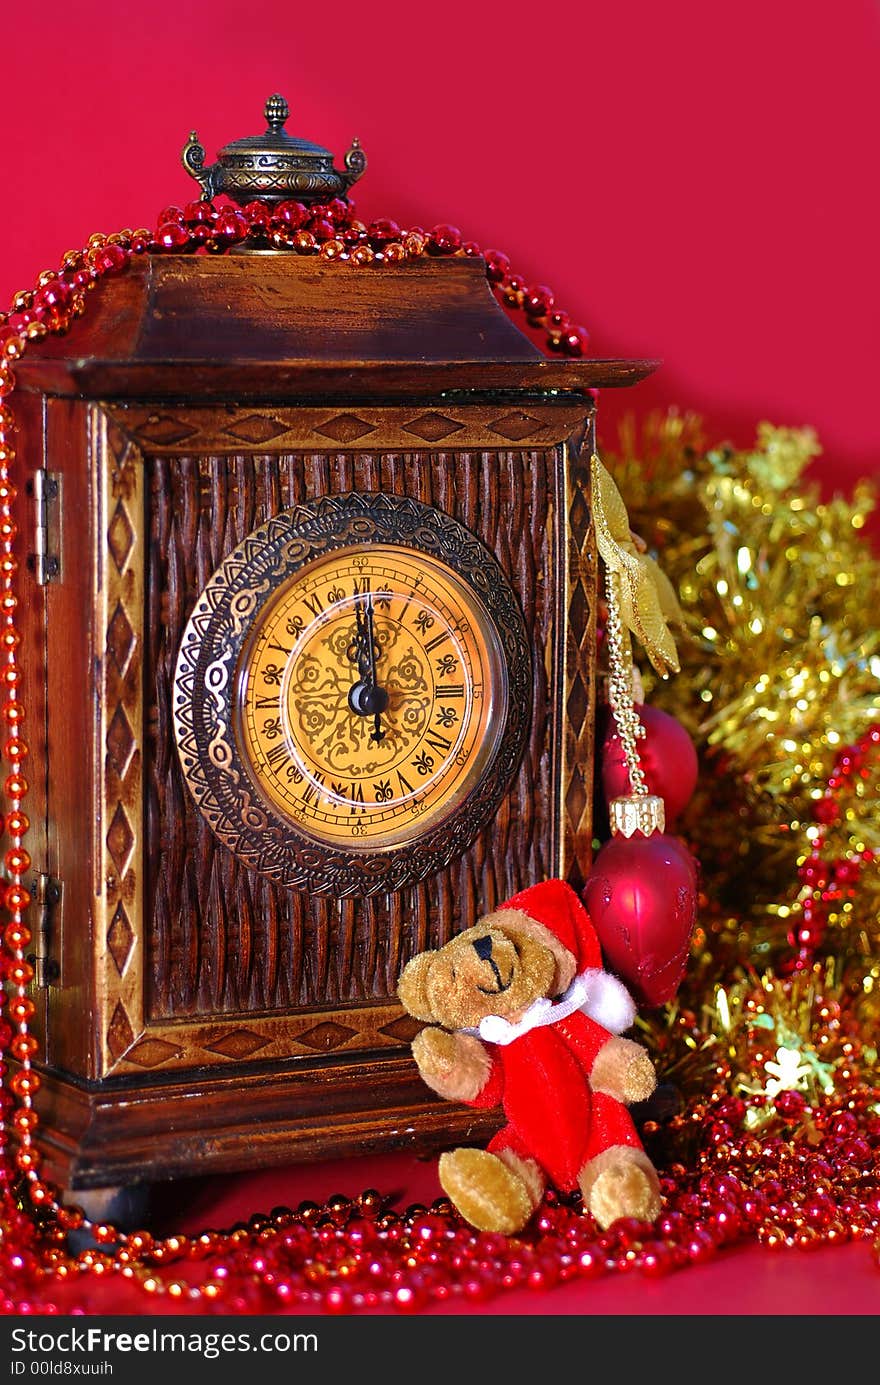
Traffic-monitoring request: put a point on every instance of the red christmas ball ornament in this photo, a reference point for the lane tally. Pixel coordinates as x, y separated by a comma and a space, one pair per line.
642, 898
667, 757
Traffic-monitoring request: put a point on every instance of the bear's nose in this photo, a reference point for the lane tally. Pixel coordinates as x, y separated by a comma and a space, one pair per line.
483, 948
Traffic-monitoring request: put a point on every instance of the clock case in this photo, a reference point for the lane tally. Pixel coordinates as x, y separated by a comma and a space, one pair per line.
194, 1016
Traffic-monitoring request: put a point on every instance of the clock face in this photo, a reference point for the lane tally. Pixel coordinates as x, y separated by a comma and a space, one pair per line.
352, 694
372, 695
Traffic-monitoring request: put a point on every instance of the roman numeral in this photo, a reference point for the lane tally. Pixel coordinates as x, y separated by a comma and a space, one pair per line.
278, 755
314, 603
438, 742
313, 789
282, 648
362, 585
266, 704
356, 794
405, 784
449, 690
436, 642
406, 606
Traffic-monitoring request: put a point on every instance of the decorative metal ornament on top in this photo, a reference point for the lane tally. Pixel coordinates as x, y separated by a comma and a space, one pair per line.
273, 166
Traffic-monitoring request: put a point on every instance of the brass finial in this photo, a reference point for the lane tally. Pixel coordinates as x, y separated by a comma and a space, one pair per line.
273, 166
275, 113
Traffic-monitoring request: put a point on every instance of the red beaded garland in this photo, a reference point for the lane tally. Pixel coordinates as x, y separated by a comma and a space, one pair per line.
825, 883
820, 1183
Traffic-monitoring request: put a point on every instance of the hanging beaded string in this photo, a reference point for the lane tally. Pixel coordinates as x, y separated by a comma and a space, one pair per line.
333, 232
620, 689
639, 810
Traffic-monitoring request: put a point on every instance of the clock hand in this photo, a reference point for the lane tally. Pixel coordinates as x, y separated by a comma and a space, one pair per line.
365, 697
357, 650
378, 699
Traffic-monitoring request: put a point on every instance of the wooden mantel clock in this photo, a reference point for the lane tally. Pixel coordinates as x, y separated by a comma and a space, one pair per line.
311, 620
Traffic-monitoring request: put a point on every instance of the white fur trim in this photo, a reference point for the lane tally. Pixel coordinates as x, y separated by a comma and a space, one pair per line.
608, 1001
599, 994
495, 1029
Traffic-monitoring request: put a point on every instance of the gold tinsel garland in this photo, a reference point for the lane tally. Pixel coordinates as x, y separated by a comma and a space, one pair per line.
780, 674
780, 663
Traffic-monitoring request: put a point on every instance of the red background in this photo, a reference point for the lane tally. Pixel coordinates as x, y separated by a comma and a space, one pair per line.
696, 182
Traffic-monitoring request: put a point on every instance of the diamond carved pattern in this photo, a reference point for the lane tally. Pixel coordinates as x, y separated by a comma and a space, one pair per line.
120, 742
516, 426
120, 639
405, 1029
166, 430
120, 478
119, 1032
120, 839
345, 428
579, 519
576, 796
256, 429
578, 609
120, 536
238, 1043
432, 427
120, 938
578, 786
326, 1035
149, 1053
577, 704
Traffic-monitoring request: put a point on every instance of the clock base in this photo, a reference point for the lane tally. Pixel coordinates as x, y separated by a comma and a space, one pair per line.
119, 1132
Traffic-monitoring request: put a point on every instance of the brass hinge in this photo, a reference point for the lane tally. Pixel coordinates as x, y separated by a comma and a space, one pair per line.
47, 893
45, 560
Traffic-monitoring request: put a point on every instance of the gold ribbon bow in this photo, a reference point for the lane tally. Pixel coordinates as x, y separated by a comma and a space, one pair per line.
647, 598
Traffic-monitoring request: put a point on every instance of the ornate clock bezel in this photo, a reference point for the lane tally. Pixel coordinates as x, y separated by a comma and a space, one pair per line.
206, 679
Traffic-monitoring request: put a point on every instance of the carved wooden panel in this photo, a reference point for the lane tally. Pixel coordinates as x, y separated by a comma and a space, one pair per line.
579, 654
197, 429
118, 853
224, 940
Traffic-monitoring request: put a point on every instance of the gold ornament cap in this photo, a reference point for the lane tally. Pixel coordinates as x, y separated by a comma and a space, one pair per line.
645, 813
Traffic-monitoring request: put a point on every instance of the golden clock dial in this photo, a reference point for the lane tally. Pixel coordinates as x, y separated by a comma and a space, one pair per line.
353, 694
370, 695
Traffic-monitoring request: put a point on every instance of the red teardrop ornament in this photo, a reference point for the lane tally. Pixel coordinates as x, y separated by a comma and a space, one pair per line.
667, 757
642, 899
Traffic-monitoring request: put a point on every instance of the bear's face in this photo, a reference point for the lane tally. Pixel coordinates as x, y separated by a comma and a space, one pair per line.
498, 967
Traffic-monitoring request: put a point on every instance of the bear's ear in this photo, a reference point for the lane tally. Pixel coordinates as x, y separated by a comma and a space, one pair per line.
411, 988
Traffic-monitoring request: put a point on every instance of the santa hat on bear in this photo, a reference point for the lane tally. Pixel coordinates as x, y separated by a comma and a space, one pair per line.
556, 906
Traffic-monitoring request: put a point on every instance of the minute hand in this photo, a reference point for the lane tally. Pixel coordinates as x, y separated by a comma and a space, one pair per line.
365, 698
379, 696
365, 656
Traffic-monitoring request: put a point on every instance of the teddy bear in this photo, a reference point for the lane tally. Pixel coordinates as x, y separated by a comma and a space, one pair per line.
520, 1014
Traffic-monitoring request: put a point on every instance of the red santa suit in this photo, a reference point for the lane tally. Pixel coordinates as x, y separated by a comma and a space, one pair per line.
541, 1065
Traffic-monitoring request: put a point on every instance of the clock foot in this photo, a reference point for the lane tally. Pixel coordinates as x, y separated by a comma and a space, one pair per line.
125, 1206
